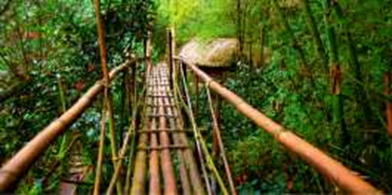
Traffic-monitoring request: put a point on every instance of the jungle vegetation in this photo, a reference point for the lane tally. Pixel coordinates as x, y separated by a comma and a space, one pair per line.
321, 68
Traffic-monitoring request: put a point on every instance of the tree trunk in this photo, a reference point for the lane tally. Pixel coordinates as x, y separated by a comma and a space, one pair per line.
336, 78
360, 93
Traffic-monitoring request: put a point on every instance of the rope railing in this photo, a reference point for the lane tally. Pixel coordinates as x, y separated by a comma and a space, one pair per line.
327, 166
20, 163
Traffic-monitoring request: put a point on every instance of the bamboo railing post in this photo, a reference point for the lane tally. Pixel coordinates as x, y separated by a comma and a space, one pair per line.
186, 110
125, 99
201, 145
170, 48
130, 135
108, 106
218, 139
147, 54
216, 100
133, 86
174, 47
131, 151
97, 179
140, 158
196, 80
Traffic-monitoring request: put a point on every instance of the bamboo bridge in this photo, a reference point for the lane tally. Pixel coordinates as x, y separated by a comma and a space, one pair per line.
167, 151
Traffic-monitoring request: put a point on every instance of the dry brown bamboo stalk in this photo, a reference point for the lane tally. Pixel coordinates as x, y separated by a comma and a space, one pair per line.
220, 144
166, 161
100, 156
101, 41
205, 153
330, 168
107, 102
139, 174
189, 160
154, 163
18, 166
186, 188
123, 150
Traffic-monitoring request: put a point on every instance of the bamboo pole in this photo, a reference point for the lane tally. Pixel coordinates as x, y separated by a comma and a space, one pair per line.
154, 163
220, 143
209, 162
189, 159
135, 121
166, 161
124, 148
171, 54
330, 168
182, 74
107, 102
97, 179
18, 166
186, 187
139, 175
154, 187
131, 157
101, 41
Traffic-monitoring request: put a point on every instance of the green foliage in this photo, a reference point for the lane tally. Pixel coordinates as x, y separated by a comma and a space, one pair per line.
297, 93
197, 19
43, 43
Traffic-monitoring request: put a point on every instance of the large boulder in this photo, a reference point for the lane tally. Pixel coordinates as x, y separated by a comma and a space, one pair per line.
216, 53
289, 3
221, 52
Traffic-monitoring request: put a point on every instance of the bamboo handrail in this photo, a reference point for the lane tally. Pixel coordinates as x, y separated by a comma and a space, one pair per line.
20, 163
330, 168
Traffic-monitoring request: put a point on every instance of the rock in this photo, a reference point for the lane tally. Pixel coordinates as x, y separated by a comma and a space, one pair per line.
216, 53
221, 52
289, 3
